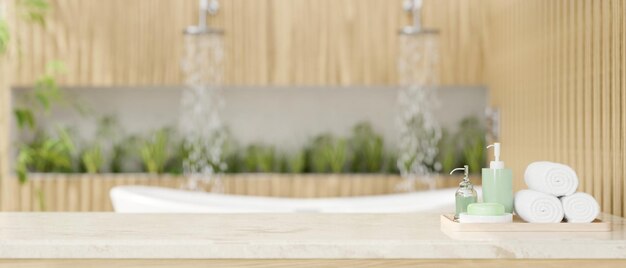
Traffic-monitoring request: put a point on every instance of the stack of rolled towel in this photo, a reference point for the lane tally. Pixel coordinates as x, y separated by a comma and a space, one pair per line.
552, 196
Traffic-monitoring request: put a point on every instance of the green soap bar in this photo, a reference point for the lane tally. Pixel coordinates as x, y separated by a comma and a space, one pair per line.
485, 209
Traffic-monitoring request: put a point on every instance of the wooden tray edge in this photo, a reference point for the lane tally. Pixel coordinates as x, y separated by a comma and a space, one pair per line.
447, 223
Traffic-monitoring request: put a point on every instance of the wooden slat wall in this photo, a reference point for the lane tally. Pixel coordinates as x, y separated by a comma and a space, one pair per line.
6, 74
557, 71
63, 192
268, 42
5, 113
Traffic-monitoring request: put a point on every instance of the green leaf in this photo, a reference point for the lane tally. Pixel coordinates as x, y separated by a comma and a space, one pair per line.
296, 162
471, 138
154, 151
93, 159
24, 118
367, 149
5, 36
261, 158
327, 154
337, 155
33, 11
66, 140
24, 158
122, 153
47, 91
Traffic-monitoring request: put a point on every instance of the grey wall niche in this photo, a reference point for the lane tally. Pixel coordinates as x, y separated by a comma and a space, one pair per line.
283, 116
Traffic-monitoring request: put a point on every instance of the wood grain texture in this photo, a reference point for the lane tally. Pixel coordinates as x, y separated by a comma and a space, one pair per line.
5, 113
448, 224
556, 70
267, 42
6, 75
95, 263
76, 192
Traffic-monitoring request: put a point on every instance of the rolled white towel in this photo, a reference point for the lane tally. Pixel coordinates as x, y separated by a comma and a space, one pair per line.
551, 178
538, 207
580, 208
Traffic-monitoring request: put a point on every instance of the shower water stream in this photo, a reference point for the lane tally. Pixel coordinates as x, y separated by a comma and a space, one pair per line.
418, 75
202, 100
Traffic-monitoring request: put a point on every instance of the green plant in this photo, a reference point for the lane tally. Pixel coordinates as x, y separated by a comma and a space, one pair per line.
367, 149
154, 151
92, 156
46, 154
295, 162
122, 153
92, 159
33, 10
174, 164
471, 137
24, 118
448, 153
5, 36
231, 154
260, 158
328, 154
38, 103
45, 90
390, 165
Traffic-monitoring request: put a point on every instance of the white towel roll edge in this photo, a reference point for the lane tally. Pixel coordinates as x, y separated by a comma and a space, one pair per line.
537, 207
580, 208
551, 178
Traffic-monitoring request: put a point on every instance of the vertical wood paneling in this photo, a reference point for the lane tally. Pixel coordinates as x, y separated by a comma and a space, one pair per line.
622, 107
556, 70
267, 42
76, 192
5, 114
277, 42
7, 185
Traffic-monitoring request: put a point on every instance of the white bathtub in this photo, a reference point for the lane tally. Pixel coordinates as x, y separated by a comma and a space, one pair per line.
147, 199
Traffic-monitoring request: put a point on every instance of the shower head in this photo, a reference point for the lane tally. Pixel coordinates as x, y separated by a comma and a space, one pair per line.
209, 7
415, 8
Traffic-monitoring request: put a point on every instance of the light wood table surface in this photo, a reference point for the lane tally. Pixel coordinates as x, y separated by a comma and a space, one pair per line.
287, 240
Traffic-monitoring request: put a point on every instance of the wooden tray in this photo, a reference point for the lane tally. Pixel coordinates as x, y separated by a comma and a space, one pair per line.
518, 225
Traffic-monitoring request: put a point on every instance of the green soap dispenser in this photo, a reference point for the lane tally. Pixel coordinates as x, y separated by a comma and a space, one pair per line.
498, 182
466, 194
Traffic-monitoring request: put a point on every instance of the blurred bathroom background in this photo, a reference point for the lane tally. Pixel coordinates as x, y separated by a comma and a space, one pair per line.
281, 98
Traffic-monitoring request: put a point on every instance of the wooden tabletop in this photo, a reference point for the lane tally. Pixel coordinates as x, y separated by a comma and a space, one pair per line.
283, 236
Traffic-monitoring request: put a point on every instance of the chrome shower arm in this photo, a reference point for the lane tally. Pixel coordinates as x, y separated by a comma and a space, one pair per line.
202, 11
205, 8
415, 8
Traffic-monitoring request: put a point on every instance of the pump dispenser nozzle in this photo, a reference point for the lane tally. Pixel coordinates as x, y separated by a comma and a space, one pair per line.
496, 151
465, 169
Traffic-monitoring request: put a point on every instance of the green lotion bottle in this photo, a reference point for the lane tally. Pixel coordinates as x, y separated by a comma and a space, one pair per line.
498, 182
466, 194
